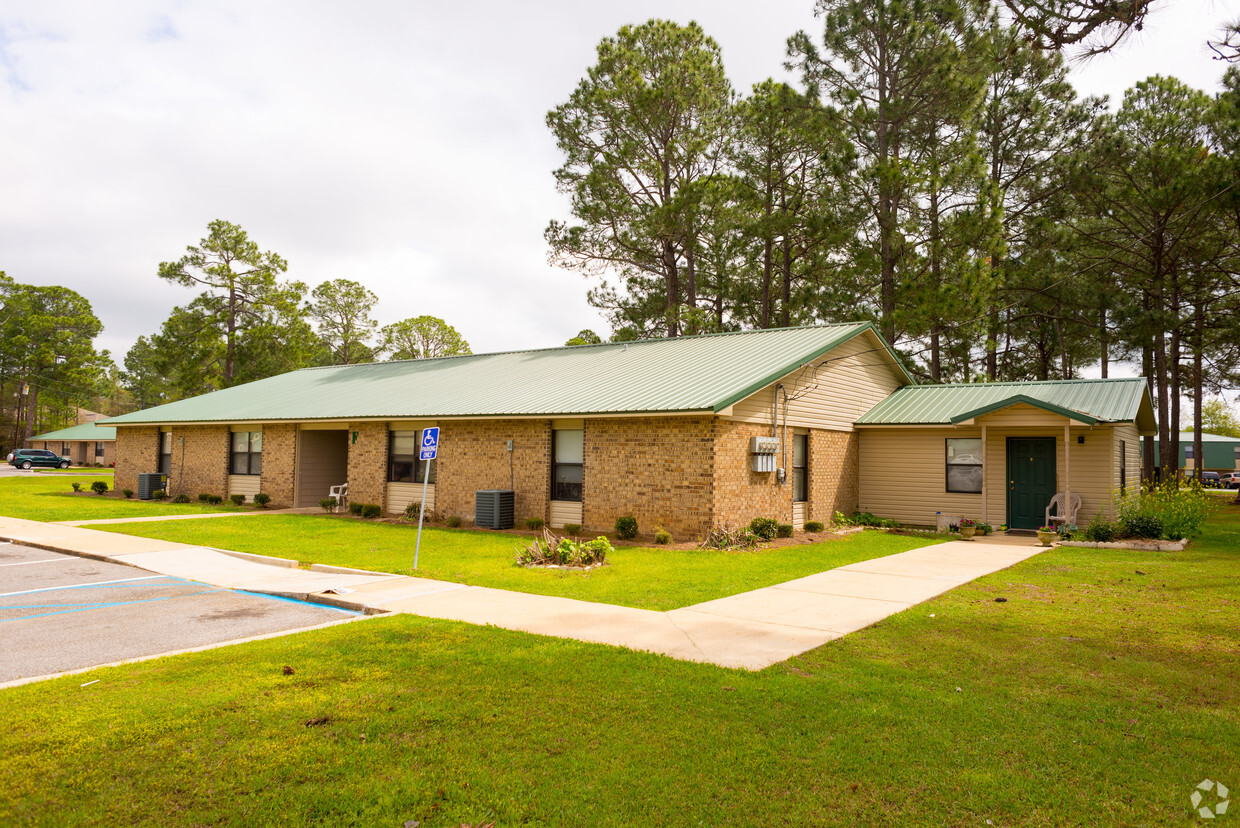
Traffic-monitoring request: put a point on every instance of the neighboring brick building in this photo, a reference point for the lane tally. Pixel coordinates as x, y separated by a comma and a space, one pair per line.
86, 444
660, 429
684, 434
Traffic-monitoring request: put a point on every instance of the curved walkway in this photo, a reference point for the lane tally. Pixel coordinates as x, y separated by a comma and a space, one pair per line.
750, 630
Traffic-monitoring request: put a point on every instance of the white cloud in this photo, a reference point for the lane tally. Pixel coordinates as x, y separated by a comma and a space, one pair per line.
402, 145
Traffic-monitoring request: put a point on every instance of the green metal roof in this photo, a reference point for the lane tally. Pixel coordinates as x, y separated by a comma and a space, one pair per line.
85, 431
1219, 450
690, 373
1101, 400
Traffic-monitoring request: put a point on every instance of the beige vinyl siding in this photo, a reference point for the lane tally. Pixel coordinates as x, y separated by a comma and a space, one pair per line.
903, 471
798, 514
1021, 415
903, 475
322, 462
855, 379
565, 511
400, 495
244, 484
1127, 433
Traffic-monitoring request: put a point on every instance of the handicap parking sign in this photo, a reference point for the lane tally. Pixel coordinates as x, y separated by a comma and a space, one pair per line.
430, 443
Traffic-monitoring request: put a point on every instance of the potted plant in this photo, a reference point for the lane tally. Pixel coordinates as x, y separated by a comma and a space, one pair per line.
968, 527
985, 528
1046, 534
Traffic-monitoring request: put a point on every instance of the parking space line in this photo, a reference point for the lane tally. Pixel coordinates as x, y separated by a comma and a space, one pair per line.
84, 586
45, 560
86, 607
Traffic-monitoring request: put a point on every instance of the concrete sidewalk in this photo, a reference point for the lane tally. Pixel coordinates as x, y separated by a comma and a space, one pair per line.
751, 630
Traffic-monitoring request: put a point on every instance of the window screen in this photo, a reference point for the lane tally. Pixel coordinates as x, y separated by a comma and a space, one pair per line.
403, 463
800, 464
568, 458
247, 452
964, 465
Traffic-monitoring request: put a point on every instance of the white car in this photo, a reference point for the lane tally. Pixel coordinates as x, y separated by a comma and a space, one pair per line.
1230, 480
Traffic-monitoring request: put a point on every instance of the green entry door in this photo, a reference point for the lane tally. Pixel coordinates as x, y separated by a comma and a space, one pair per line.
1031, 480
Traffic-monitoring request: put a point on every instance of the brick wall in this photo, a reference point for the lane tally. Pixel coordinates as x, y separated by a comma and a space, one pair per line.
474, 455
279, 462
367, 463
137, 452
833, 474
200, 464
657, 469
740, 493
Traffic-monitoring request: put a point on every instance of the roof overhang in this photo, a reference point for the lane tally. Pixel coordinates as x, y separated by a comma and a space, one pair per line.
1077, 417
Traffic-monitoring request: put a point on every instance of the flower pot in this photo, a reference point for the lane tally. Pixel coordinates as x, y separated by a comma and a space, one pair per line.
967, 532
1045, 538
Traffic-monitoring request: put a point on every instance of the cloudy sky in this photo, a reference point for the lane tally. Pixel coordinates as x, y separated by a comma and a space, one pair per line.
399, 144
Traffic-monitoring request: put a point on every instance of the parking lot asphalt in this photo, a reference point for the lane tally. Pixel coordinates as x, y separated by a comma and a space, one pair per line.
61, 613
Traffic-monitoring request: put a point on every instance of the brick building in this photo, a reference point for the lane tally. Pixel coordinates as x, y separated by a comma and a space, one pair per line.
86, 444
660, 429
684, 434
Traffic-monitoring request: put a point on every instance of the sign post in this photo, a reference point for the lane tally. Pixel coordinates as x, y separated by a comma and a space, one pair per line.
429, 448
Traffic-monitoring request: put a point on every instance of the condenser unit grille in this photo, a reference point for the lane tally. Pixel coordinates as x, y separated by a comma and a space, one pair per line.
148, 483
493, 508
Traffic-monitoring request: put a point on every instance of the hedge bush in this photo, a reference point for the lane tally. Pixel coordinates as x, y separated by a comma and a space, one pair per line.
764, 527
262, 499
573, 529
181, 498
127, 492
626, 527
814, 526
98, 487
355, 509
371, 510
237, 499
662, 537
783, 530
452, 521
328, 504
534, 523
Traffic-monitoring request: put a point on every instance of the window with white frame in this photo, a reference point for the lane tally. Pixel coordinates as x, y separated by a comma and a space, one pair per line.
800, 465
964, 465
247, 452
567, 463
165, 452
403, 463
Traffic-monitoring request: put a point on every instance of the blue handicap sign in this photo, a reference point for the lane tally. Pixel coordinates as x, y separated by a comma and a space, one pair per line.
430, 443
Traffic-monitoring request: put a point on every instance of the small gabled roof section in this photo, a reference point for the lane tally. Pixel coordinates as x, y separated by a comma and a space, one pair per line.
85, 431
1018, 399
1124, 400
698, 374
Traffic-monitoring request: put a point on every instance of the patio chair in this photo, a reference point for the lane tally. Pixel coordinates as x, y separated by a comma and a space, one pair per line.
1062, 515
341, 493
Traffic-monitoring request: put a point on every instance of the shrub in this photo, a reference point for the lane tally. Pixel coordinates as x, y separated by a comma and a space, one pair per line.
237, 499
203, 497
371, 510
158, 494
355, 509
729, 536
553, 550
181, 498
262, 499
77, 487
814, 526
414, 510
1144, 525
215, 500
453, 521
534, 523
328, 504
985, 528
783, 530
1100, 530
99, 487
765, 528
573, 529
626, 527
1180, 511
662, 537
128, 493
863, 519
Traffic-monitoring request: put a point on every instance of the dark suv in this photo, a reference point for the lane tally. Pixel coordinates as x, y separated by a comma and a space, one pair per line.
29, 458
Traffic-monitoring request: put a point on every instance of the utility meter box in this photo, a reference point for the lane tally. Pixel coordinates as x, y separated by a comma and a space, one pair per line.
763, 450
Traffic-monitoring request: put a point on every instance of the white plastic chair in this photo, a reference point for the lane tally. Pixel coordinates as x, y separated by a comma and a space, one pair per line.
1057, 505
341, 493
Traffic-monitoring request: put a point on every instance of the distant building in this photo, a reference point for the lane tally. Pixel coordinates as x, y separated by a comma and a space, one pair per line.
86, 445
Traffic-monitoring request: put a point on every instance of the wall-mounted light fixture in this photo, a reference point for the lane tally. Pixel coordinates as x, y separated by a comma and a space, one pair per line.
1080, 438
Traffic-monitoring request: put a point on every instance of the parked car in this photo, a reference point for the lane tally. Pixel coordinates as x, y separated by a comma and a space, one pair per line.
28, 458
1230, 480
1209, 479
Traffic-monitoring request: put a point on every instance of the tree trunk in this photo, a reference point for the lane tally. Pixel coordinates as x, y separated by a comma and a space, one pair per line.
1148, 461
1199, 455
230, 344
1102, 339
672, 284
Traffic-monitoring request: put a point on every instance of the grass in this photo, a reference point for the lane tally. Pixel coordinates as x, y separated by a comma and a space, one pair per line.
75, 470
1100, 692
51, 498
648, 578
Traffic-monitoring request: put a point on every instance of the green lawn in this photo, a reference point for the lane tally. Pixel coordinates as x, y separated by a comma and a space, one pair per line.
658, 578
1100, 692
51, 498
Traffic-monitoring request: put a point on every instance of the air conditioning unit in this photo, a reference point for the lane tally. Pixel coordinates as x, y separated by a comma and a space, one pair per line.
148, 483
493, 508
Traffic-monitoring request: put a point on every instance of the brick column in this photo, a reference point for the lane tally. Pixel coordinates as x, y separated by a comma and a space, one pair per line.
279, 462
368, 463
834, 474
136, 452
